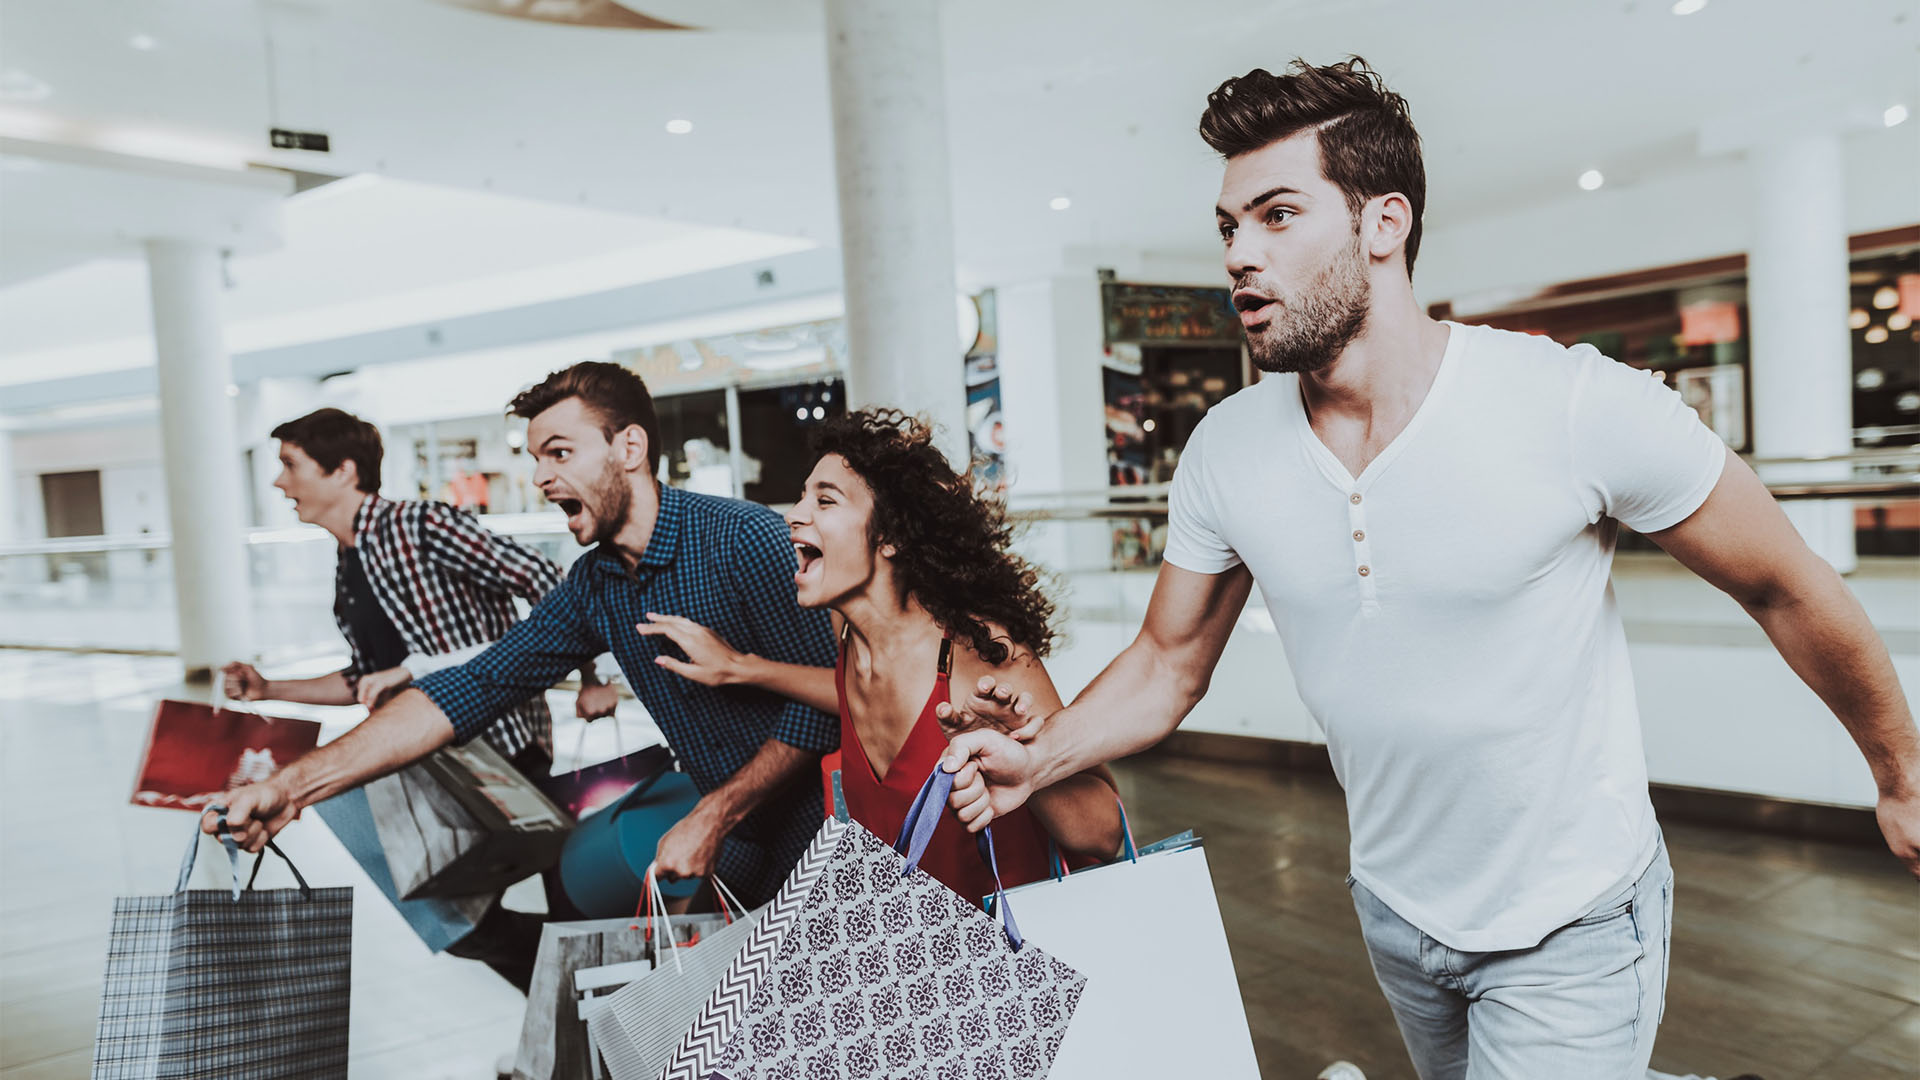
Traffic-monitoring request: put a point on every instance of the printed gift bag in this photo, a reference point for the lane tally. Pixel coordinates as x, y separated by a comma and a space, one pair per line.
553, 1040
865, 967
195, 751
640, 1025
437, 922
463, 822
585, 789
207, 984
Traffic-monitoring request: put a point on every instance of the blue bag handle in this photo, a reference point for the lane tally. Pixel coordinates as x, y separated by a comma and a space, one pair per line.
916, 832
1056, 859
233, 858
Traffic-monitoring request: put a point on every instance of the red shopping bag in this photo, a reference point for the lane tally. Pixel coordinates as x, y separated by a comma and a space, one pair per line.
195, 751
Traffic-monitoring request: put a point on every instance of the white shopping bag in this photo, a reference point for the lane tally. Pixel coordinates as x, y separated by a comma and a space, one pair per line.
1128, 1023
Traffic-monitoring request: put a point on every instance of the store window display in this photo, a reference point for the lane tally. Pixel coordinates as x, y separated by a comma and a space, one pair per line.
1690, 324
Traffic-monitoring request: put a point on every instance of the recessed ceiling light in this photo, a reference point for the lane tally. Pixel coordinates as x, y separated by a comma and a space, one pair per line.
1688, 7
1876, 334
1898, 321
1894, 116
1857, 319
143, 42
679, 127
1591, 180
1060, 202
1886, 298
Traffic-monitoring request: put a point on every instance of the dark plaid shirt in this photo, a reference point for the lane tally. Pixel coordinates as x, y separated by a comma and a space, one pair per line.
447, 582
727, 565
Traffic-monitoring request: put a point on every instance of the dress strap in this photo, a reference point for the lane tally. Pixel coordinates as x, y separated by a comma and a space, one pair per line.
946, 658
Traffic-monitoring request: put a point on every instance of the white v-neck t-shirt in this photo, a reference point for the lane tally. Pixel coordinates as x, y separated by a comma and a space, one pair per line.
1450, 622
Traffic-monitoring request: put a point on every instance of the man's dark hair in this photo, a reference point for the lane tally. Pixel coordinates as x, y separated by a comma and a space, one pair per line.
614, 394
1367, 143
331, 436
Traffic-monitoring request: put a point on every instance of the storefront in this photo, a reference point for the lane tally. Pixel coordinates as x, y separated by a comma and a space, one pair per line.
1690, 323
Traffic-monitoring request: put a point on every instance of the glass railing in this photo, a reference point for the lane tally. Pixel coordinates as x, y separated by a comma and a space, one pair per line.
1099, 548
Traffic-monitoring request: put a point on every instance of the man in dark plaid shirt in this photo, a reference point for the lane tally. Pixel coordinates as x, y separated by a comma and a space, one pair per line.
418, 587
727, 564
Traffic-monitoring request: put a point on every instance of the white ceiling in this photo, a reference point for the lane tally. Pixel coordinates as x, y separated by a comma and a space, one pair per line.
1094, 99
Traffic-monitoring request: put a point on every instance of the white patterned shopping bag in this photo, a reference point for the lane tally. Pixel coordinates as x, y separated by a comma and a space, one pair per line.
865, 967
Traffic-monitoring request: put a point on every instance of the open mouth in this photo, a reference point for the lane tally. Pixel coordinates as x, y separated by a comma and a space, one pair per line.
808, 555
1252, 307
570, 507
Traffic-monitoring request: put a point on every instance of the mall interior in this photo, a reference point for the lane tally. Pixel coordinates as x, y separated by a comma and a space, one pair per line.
218, 215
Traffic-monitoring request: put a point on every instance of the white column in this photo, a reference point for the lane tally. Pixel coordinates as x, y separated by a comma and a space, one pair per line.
9, 492
1053, 404
1797, 303
202, 461
888, 81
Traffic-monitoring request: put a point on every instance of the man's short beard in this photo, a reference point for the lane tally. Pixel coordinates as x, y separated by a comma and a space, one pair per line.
1331, 312
611, 503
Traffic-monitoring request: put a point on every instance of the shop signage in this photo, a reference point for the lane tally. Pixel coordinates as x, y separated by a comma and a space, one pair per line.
1147, 314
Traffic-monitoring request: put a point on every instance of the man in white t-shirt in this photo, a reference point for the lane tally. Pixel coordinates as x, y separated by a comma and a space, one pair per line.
1430, 511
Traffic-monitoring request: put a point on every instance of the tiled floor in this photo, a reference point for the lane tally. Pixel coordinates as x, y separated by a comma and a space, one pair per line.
1794, 960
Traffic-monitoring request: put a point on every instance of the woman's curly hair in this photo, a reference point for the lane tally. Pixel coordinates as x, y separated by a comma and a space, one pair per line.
950, 543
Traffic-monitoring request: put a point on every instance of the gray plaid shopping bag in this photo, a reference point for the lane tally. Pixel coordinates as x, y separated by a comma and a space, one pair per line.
208, 984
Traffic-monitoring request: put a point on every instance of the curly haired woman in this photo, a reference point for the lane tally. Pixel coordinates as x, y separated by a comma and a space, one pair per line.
914, 566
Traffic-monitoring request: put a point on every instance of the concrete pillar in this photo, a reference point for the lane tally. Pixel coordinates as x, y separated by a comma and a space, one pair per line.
201, 455
1797, 303
888, 84
9, 492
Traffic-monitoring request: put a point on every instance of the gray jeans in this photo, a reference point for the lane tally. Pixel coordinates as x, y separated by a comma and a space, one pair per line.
1584, 1002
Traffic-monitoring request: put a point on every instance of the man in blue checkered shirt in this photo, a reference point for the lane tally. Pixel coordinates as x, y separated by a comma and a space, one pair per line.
729, 565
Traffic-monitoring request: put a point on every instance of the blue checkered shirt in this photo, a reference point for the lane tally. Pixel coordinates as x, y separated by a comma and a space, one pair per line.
729, 566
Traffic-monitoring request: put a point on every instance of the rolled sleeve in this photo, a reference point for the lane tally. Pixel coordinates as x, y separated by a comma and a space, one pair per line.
532, 656
761, 563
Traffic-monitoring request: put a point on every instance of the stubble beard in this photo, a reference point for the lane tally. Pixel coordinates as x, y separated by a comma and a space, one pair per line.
1311, 330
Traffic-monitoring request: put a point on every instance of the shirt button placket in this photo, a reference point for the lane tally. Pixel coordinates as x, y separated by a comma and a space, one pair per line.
1362, 552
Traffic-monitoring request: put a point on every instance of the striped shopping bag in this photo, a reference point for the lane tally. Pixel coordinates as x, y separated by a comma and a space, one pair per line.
207, 984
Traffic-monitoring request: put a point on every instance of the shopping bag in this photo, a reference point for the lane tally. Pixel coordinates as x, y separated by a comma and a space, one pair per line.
585, 789
638, 1026
438, 923
553, 1040
1127, 1023
208, 984
606, 856
197, 750
864, 966
462, 822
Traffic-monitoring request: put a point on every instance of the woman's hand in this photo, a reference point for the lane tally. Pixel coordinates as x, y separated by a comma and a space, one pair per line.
375, 689
710, 660
994, 706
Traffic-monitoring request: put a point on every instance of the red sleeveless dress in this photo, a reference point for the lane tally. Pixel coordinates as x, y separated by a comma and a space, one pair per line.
1020, 845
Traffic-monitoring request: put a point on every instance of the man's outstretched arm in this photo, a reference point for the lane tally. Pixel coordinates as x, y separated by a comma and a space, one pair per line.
1741, 542
1137, 701
406, 729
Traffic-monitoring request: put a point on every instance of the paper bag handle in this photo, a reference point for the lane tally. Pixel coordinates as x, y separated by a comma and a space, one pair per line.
233, 857
916, 832
1057, 859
